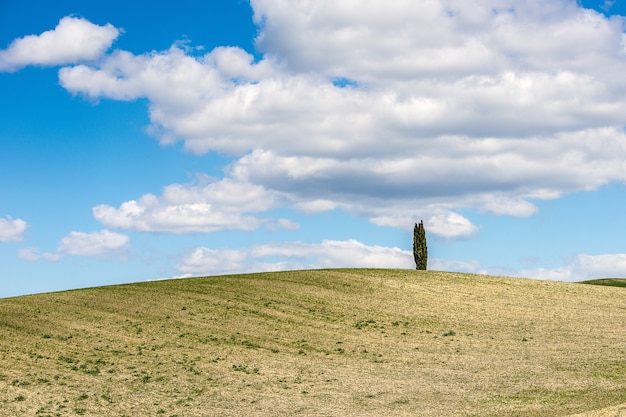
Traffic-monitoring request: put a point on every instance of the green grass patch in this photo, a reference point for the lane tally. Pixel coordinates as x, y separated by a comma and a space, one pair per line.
608, 282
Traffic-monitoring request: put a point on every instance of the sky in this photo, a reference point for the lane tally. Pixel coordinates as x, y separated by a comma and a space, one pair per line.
202, 138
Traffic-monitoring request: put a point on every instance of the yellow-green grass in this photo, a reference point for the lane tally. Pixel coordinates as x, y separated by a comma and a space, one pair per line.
318, 343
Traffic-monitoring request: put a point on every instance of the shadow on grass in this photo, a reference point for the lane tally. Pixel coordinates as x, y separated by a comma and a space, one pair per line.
607, 282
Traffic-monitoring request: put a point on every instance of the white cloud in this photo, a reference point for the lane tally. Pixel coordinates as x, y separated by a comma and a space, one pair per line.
353, 254
473, 267
583, 267
34, 254
194, 208
100, 243
439, 222
73, 40
378, 42
332, 253
210, 261
451, 225
295, 255
12, 230
92, 244
499, 204
285, 224
450, 104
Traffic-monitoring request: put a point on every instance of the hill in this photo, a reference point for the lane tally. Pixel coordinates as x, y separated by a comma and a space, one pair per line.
326, 343
609, 282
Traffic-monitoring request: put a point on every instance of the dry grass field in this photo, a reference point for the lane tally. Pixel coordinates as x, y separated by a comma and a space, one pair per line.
317, 343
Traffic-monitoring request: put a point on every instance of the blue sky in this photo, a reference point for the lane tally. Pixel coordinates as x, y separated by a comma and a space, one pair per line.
232, 136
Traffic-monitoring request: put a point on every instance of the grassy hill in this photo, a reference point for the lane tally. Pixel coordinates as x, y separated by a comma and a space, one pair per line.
324, 343
609, 282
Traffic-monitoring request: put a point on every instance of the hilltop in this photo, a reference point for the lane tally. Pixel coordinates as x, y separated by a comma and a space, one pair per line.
326, 342
609, 282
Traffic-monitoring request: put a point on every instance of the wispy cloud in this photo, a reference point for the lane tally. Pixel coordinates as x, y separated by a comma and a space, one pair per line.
35, 254
583, 267
608, 4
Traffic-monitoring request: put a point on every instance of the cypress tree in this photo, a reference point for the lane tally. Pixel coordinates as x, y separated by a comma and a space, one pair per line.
420, 250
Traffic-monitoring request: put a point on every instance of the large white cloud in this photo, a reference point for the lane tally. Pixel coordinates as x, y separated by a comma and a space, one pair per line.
391, 111
73, 40
403, 41
12, 230
294, 255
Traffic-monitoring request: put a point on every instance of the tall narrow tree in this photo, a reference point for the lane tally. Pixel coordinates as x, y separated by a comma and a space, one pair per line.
420, 250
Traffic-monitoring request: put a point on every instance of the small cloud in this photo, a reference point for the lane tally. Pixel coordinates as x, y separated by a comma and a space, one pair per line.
214, 261
450, 225
284, 224
608, 4
11, 230
92, 244
441, 223
514, 207
79, 244
34, 254
73, 40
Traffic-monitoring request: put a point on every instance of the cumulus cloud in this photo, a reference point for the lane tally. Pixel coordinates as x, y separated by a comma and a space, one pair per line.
295, 255
583, 267
451, 225
378, 42
100, 243
12, 230
395, 112
193, 208
92, 244
73, 40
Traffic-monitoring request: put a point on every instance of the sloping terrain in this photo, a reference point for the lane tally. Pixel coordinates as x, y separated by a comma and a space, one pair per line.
609, 282
318, 343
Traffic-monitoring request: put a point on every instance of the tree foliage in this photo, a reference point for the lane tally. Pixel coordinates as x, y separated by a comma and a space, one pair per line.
420, 250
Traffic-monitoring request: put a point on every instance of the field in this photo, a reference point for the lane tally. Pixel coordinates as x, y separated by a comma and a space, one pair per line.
611, 282
317, 343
